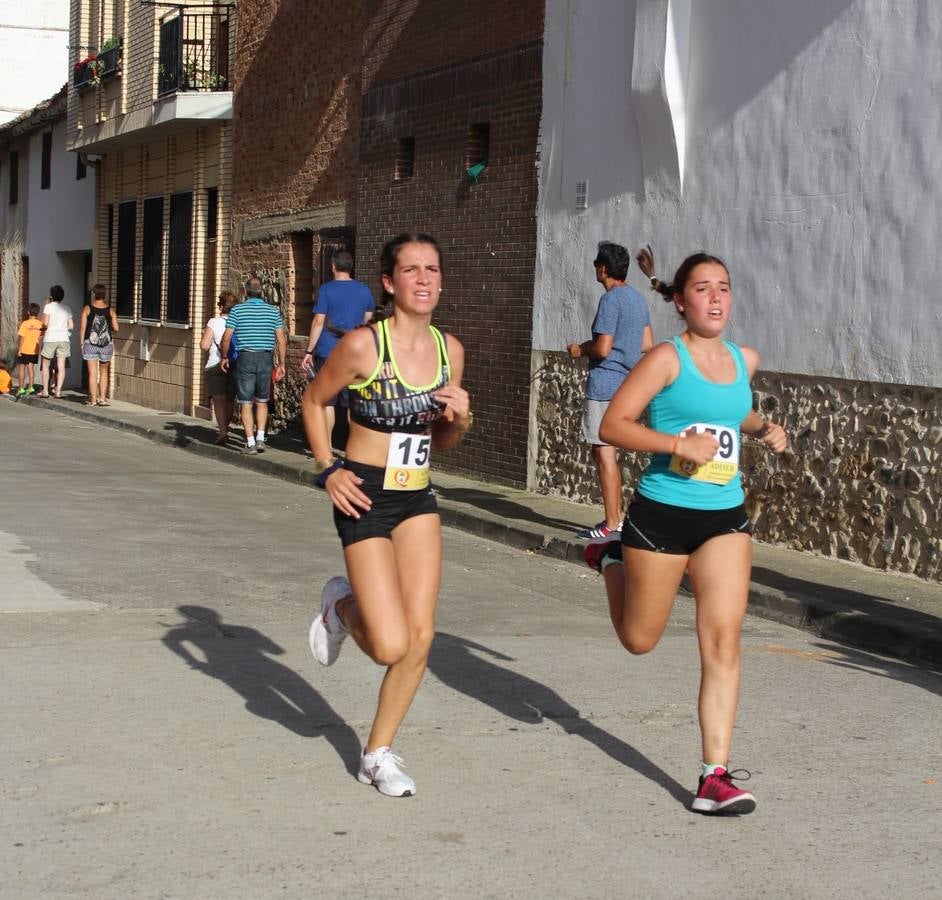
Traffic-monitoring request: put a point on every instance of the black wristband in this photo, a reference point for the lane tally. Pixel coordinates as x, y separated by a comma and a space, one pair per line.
321, 479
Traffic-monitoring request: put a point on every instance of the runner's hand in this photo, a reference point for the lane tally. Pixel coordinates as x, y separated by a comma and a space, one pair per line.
343, 488
457, 403
697, 448
775, 438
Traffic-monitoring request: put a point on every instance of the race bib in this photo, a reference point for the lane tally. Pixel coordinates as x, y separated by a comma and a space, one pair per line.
723, 467
407, 462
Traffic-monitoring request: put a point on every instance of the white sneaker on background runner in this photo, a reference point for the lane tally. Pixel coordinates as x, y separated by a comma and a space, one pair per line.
383, 769
327, 632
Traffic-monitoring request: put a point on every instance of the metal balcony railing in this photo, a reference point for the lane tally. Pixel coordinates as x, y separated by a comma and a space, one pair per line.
194, 52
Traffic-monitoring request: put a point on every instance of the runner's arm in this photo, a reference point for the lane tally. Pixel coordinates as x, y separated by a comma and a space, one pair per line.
456, 420
620, 426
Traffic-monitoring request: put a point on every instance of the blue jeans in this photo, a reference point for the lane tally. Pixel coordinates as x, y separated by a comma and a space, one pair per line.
253, 371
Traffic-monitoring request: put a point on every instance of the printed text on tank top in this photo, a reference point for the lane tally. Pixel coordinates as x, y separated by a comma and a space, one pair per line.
387, 402
98, 326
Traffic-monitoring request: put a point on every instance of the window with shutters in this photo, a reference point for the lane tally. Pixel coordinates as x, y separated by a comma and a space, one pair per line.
152, 249
178, 258
124, 275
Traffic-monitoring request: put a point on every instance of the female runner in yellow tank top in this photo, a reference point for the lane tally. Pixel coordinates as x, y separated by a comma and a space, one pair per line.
390, 529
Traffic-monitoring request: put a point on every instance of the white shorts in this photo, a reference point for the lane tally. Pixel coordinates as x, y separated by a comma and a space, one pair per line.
591, 419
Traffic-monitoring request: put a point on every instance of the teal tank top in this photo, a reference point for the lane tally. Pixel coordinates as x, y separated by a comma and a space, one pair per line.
692, 399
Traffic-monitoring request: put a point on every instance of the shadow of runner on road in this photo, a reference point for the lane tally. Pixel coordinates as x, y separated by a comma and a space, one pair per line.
240, 657
518, 697
498, 505
860, 661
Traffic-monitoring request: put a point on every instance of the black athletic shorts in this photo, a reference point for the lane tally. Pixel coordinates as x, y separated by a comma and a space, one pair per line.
662, 528
24, 359
389, 508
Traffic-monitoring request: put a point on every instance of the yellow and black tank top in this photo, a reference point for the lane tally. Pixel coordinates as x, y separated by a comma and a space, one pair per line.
386, 401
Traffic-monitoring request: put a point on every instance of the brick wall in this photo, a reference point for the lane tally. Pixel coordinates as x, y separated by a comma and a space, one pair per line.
486, 71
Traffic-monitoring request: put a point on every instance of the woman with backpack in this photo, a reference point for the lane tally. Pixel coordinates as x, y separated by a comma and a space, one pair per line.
98, 326
218, 380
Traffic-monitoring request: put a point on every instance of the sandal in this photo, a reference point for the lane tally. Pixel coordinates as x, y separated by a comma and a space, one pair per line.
89, 403
104, 403
44, 396
222, 439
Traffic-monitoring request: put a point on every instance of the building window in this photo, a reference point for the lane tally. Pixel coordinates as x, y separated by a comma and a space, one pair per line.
477, 148
124, 277
14, 177
152, 249
81, 170
405, 158
212, 213
45, 172
178, 258
127, 239
24, 286
302, 294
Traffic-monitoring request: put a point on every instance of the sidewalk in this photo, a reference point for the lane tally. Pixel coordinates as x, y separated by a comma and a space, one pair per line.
882, 612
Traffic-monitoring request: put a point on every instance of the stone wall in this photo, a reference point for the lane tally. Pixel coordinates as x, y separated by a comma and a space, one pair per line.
863, 480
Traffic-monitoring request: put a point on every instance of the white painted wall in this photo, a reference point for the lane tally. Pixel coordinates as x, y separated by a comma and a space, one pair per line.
811, 163
34, 39
13, 221
60, 231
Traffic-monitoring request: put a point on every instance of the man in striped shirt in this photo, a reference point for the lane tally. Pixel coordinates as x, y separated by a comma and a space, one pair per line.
257, 326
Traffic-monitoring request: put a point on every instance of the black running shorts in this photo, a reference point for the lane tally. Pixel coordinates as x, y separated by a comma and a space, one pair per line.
662, 528
389, 508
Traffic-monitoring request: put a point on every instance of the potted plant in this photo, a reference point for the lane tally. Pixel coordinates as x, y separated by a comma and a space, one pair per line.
109, 55
83, 72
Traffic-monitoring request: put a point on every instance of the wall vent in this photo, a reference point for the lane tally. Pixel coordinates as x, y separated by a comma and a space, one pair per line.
582, 195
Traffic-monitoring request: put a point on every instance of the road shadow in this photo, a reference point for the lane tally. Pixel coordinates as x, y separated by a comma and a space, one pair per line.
869, 663
501, 506
240, 657
458, 663
850, 617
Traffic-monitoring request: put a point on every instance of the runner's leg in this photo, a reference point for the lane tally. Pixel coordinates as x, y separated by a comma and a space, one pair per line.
719, 574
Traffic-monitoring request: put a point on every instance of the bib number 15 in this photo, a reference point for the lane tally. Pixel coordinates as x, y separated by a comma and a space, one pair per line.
407, 462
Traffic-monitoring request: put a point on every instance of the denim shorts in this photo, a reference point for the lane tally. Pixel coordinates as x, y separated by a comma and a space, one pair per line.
102, 353
253, 371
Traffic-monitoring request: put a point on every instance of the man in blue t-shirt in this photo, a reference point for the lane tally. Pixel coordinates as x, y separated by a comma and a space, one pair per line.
342, 304
621, 333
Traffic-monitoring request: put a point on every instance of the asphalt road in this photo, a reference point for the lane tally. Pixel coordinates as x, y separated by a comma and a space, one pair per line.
166, 733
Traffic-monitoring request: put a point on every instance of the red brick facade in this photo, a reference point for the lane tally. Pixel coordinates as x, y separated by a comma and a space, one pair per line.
321, 113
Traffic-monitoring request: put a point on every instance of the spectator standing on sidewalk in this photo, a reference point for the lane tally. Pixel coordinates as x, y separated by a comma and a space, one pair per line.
621, 333
30, 334
342, 304
57, 319
98, 326
219, 383
258, 326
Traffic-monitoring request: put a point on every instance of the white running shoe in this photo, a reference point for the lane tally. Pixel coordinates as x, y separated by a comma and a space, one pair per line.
383, 769
327, 631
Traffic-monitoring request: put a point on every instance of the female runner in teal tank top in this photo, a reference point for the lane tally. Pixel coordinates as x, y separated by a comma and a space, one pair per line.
688, 513
406, 399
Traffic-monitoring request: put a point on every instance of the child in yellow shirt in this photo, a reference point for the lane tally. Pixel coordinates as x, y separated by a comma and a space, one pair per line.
5, 379
30, 332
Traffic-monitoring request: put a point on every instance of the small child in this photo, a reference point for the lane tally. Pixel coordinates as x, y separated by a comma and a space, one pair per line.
27, 353
5, 380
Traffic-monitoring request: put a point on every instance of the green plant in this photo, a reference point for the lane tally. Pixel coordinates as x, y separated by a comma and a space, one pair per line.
110, 44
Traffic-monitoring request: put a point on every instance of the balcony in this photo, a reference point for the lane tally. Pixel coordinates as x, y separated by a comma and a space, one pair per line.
95, 69
194, 53
192, 82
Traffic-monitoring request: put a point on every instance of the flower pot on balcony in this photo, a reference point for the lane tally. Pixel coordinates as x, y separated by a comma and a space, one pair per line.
83, 73
108, 61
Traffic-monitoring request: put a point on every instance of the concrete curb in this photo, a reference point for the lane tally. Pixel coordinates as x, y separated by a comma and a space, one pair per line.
906, 634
